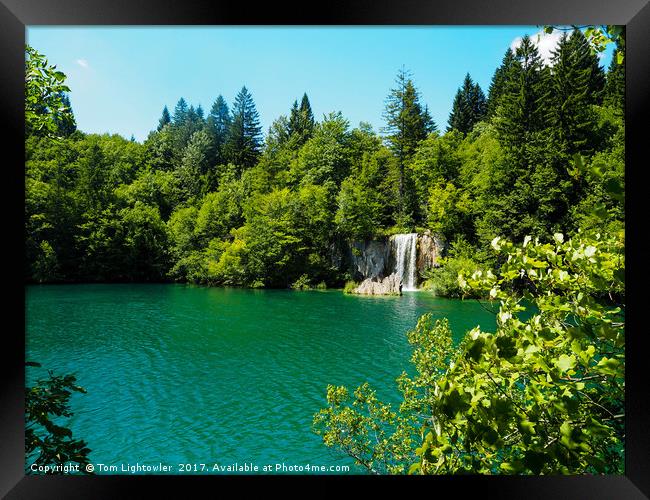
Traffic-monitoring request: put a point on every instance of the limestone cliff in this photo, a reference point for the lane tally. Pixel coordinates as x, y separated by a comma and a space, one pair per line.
430, 248
370, 258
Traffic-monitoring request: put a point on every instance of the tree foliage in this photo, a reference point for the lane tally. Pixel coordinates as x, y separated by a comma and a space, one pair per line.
407, 123
48, 443
497, 86
469, 107
47, 107
301, 120
243, 143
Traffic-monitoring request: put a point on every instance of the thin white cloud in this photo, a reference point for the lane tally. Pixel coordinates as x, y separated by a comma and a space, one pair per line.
83, 63
545, 42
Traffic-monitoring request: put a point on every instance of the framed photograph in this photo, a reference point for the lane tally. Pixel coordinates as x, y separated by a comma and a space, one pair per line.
373, 243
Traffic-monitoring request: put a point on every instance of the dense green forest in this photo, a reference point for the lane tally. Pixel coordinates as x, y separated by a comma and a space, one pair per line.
207, 199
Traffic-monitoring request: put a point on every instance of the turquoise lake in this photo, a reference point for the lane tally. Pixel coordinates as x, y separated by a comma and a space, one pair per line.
181, 374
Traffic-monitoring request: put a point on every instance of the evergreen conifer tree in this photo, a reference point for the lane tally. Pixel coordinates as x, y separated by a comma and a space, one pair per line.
528, 192
180, 112
499, 82
192, 116
186, 121
164, 119
294, 119
301, 120
459, 116
614, 94
478, 104
406, 125
525, 98
572, 96
429, 124
307, 116
469, 107
244, 137
588, 61
218, 124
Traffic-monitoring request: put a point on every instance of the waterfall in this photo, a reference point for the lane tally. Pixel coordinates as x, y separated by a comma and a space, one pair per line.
404, 248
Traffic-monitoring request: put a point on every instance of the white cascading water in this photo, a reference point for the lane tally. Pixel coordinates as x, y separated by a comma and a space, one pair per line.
404, 249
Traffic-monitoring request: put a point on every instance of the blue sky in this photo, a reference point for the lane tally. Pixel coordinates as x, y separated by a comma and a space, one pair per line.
121, 77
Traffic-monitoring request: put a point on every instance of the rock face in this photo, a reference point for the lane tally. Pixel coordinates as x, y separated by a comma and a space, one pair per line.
430, 248
370, 258
390, 285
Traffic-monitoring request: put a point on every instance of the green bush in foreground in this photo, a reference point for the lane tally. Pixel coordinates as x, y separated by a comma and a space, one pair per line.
543, 395
49, 444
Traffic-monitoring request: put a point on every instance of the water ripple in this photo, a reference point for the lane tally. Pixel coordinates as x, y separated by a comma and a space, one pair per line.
184, 374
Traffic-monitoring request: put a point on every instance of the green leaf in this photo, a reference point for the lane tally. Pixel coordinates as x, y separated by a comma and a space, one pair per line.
615, 189
565, 362
507, 347
527, 426
600, 211
608, 366
597, 170
414, 468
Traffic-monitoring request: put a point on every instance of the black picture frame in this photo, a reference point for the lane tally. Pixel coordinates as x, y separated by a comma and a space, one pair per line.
15, 15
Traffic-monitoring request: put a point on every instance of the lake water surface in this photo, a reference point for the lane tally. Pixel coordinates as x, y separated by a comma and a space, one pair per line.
180, 374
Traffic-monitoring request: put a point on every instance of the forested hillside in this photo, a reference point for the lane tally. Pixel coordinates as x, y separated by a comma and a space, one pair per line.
207, 199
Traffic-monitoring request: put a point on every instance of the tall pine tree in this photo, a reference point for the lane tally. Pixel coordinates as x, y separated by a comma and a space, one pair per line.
180, 112
407, 123
499, 81
525, 98
164, 119
527, 193
244, 138
192, 116
459, 116
294, 119
218, 124
588, 61
614, 94
469, 107
572, 84
429, 125
307, 113
301, 120
478, 103
185, 122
